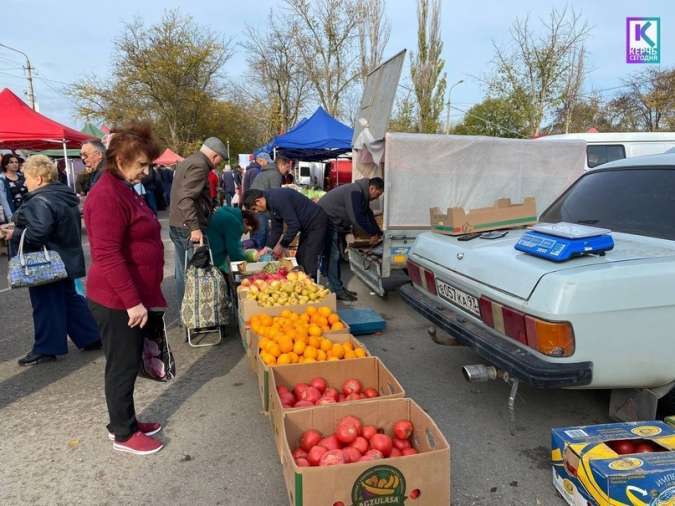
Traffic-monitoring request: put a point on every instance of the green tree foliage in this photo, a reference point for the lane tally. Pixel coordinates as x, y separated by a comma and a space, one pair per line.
426, 67
168, 73
404, 118
495, 117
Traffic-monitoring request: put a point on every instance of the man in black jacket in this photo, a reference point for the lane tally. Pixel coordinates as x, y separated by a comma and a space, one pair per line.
348, 207
300, 215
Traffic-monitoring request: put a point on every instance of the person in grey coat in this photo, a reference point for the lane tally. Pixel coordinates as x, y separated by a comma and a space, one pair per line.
348, 208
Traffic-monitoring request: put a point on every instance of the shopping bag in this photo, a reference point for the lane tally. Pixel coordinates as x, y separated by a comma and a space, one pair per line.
206, 301
158, 363
35, 269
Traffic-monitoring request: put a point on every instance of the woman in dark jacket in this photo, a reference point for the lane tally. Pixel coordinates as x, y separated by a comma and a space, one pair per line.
50, 217
124, 282
14, 180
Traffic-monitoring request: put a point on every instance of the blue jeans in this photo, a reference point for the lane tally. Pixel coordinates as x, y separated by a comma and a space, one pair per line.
58, 311
332, 260
180, 237
259, 237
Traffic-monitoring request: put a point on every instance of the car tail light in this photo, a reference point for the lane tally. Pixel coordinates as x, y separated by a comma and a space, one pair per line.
431, 282
414, 273
555, 339
550, 338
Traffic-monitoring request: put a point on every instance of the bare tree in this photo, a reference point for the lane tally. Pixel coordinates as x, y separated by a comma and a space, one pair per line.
573, 81
538, 66
373, 31
278, 71
426, 67
324, 32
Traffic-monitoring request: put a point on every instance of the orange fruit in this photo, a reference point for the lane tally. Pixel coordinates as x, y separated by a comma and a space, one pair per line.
268, 359
286, 313
322, 321
332, 358
274, 350
310, 310
338, 351
326, 344
359, 352
283, 359
337, 326
299, 347
348, 354
348, 346
310, 360
305, 317
285, 344
301, 360
321, 356
333, 318
325, 311
314, 330
315, 342
325, 328
310, 352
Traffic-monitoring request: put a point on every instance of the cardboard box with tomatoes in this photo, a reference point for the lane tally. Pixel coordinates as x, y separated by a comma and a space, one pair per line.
327, 383
263, 370
380, 451
617, 463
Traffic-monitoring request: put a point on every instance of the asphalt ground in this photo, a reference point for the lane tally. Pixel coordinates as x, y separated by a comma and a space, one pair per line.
219, 447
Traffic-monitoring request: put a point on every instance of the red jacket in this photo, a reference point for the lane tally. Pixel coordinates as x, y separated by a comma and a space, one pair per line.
126, 247
213, 184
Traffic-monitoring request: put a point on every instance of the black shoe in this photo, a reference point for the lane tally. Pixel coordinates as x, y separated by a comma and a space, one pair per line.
36, 358
350, 292
96, 345
345, 296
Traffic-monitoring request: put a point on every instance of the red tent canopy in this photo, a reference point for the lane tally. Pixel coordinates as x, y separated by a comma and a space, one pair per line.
168, 158
23, 128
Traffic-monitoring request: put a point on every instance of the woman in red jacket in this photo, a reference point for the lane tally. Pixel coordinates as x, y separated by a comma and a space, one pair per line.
124, 281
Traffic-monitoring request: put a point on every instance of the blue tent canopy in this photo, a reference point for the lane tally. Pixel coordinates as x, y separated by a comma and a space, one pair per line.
318, 137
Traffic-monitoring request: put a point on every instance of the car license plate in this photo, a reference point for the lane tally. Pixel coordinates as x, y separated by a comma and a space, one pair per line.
458, 297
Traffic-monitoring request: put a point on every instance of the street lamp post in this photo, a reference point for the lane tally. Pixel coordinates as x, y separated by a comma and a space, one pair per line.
447, 118
29, 70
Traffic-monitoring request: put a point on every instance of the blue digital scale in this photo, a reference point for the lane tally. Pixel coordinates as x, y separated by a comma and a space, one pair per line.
560, 242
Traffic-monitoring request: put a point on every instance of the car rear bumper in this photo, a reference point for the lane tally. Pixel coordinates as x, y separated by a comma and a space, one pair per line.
498, 350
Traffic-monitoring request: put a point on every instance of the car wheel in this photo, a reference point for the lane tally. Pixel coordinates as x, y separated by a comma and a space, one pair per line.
667, 405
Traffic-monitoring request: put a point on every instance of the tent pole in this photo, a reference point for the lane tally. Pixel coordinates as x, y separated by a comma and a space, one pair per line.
69, 170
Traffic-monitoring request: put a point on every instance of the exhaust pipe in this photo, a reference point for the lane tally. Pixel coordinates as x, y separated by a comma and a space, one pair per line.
479, 373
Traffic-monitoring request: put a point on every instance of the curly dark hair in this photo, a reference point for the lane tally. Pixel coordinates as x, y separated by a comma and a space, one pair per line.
6, 159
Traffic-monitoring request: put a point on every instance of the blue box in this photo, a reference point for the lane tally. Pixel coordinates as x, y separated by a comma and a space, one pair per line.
588, 468
362, 320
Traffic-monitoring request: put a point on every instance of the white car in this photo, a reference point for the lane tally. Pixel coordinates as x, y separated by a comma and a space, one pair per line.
590, 322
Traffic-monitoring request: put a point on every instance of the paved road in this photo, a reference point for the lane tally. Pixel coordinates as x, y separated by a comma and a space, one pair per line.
220, 448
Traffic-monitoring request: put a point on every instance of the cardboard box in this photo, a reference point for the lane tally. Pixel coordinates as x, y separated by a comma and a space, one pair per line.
503, 214
248, 308
588, 468
256, 267
369, 370
424, 477
263, 371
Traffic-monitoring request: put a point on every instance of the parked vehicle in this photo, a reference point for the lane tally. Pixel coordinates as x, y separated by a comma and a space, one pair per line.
591, 322
607, 147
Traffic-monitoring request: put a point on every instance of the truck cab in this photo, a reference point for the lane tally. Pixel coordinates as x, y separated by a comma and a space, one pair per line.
595, 321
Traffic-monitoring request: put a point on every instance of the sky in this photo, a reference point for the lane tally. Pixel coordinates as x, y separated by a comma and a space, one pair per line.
69, 40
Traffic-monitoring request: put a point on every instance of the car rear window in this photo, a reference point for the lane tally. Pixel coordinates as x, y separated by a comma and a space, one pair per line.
635, 201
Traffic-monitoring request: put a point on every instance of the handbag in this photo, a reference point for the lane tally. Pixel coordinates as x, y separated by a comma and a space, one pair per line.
36, 268
158, 363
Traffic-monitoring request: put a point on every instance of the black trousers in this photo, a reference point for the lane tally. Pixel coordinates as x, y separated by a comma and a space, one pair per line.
312, 244
123, 348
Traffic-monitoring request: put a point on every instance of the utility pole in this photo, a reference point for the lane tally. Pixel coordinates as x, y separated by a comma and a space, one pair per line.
228, 150
29, 74
447, 118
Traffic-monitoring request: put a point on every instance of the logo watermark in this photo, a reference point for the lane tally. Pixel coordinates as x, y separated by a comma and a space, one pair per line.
643, 40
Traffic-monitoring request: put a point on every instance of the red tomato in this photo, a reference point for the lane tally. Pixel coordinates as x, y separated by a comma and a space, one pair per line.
341, 397
287, 398
351, 454
401, 444
361, 444
403, 429
352, 385
303, 404
315, 454
301, 462
623, 447
330, 443
299, 388
320, 384
371, 455
395, 452
299, 453
332, 458
644, 447
409, 451
346, 432
331, 392
382, 443
325, 400
309, 439
369, 431
310, 394
371, 392
356, 422
282, 389
353, 397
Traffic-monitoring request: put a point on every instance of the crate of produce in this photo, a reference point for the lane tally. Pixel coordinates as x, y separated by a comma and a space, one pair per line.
382, 451
327, 383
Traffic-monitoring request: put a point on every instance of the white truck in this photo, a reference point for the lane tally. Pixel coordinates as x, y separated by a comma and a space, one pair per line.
605, 322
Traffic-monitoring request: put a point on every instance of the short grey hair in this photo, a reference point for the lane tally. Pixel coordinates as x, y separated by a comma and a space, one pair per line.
97, 145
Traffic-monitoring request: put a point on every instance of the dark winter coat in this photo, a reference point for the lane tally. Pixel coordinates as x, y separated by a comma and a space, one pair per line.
292, 208
348, 206
270, 177
51, 217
